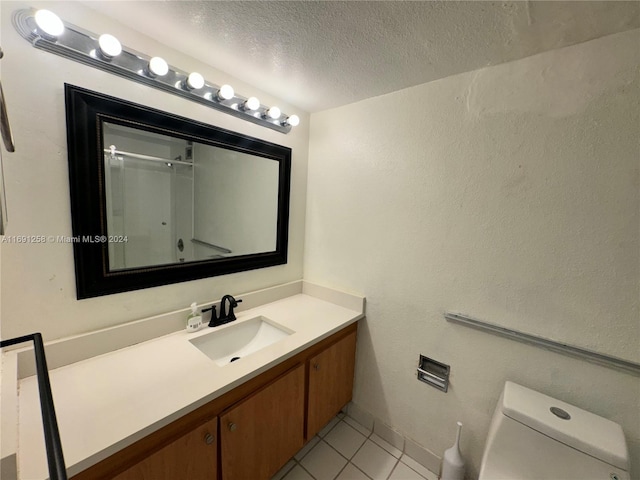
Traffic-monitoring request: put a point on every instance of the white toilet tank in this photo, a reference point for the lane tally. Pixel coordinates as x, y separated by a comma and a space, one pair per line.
528, 441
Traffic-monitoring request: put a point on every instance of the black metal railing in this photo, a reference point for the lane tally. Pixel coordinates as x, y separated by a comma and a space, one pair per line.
55, 457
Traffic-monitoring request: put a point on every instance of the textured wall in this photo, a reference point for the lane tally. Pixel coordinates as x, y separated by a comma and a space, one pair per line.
510, 193
39, 281
2, 152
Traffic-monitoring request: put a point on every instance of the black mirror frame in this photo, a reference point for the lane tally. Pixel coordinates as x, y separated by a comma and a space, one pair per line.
86, 111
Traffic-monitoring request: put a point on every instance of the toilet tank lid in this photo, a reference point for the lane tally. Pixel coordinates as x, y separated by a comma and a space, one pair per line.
584, 431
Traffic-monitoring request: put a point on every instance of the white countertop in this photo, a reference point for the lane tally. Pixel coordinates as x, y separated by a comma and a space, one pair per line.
108, 402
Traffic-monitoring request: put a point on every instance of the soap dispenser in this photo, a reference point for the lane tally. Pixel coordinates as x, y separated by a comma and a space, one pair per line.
194, 320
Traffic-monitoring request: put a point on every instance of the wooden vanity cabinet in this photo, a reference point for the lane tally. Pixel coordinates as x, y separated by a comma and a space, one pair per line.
249, 432
260, 434
192, 456
330, 382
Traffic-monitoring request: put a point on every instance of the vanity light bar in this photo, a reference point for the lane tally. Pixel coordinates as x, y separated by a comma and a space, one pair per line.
45, 30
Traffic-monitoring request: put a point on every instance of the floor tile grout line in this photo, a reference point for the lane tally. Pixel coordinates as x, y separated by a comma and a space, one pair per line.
345, 466
360, 448
308, 472
367, 437
397, 462
413, 469
349, 462
307, 453
392, 446
402, 452
369, 430
335, 450
359, 469
332, 448
394, 467
357, 450
348, 459
288, 471
320, 439
331, 429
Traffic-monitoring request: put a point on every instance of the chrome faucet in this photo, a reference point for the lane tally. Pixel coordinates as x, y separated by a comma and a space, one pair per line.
226, 316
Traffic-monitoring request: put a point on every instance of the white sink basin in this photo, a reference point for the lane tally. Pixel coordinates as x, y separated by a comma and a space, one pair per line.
237, 340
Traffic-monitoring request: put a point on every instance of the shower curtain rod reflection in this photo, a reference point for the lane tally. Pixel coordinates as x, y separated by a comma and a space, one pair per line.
139, 156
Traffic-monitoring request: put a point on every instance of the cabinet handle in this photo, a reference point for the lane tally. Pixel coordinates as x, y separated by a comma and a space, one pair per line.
232, 426
316, 366
208, 439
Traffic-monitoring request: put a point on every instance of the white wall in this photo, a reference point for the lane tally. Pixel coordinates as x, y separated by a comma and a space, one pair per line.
2, 150
510, 194
1, 337
38, 280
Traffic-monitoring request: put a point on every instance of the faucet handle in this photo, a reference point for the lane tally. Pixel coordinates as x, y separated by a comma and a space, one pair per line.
233, 303
214, 315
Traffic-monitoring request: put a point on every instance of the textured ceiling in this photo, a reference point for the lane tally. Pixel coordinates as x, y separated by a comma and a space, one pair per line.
321, 54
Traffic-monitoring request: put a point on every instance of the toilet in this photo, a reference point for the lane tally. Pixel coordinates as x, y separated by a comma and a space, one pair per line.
533, 436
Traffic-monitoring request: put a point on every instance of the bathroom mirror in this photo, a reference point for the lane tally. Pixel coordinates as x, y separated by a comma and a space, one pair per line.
158, 199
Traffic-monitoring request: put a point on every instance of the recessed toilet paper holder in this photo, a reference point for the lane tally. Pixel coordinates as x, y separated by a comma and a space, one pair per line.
433, 373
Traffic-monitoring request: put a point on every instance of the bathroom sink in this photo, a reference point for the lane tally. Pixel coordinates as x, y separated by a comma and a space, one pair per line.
237, 340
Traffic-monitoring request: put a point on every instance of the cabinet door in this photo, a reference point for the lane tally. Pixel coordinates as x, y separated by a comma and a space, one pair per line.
260, 434
193, 456
330, 382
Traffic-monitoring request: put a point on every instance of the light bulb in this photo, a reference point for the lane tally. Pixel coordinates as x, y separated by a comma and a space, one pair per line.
293, 120
225, 93
195, 81
273, 112
109, 45
251, 103
49, 23
158, 67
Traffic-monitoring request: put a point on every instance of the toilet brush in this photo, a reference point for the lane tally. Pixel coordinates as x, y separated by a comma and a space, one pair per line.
452, 462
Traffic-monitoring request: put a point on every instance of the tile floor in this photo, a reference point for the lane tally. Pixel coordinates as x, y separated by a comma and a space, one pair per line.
345, 450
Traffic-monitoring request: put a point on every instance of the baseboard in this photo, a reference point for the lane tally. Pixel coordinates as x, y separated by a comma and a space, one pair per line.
394, 437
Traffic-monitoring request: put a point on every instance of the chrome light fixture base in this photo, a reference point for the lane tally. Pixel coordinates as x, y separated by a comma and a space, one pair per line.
82, 46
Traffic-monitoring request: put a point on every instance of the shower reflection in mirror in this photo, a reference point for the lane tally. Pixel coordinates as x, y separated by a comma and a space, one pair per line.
175, 200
